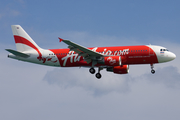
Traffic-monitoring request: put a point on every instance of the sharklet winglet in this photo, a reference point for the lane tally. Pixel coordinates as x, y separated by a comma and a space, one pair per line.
60, 39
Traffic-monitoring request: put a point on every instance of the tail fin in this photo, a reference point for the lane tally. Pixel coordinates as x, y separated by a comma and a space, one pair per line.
23, 41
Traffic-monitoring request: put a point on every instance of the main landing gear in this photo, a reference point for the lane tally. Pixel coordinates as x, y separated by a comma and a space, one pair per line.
152, 70
92, 70
98, 75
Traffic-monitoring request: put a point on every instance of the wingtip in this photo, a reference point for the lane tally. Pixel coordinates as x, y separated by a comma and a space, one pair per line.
60, 39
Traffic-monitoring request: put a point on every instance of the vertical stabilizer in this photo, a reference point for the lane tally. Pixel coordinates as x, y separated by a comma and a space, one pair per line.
23, 41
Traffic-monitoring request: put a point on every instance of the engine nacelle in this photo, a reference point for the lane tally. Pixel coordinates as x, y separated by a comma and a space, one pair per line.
119, 69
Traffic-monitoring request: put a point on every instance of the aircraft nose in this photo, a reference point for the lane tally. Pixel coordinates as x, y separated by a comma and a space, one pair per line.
172, 56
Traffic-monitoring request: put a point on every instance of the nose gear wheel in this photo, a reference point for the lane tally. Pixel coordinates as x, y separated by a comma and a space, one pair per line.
152, 70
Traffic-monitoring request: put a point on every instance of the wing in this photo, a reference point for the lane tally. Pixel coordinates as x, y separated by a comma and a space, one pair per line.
88, 54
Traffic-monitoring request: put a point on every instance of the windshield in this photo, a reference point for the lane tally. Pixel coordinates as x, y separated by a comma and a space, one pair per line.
164, 50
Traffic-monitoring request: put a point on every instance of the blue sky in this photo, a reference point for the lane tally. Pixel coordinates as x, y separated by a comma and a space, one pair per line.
29, 91
138, 19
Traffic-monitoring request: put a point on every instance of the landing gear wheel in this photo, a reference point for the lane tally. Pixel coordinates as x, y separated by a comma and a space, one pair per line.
152, 71
98, 75
92, 70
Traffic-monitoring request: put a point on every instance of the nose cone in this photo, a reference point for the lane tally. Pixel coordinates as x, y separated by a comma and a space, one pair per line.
168, 56
171, 56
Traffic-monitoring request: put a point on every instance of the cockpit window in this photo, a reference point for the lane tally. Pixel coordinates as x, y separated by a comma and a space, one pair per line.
164, 50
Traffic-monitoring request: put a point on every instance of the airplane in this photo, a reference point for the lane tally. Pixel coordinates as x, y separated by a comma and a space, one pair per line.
114, 59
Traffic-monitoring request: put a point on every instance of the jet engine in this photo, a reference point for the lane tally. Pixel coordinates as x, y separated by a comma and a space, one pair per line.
124, 69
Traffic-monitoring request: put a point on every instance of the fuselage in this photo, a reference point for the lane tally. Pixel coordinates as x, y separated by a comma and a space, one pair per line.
113, 59
144, 54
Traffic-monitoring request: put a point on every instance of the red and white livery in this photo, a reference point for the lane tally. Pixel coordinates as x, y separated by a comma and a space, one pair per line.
113, 59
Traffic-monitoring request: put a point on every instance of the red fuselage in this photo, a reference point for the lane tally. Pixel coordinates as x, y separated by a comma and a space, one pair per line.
129, 54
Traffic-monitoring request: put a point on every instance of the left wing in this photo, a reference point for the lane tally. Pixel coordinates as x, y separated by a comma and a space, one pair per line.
88, 54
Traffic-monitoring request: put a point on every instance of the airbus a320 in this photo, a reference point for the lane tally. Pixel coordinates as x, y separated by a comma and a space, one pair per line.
114, 59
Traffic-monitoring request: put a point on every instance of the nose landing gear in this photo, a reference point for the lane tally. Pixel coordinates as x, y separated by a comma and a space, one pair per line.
152, 70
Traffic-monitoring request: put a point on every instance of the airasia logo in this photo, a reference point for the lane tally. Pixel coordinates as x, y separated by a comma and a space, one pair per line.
76, 58
44, 59
73, 57
111, 60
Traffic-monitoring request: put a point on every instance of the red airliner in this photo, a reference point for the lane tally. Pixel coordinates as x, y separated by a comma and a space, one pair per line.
113, 59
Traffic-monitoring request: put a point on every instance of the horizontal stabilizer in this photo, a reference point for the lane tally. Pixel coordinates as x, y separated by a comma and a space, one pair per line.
17, 53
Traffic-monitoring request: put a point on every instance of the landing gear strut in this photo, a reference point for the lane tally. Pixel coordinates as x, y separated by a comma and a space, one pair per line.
152, 70
98, 75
